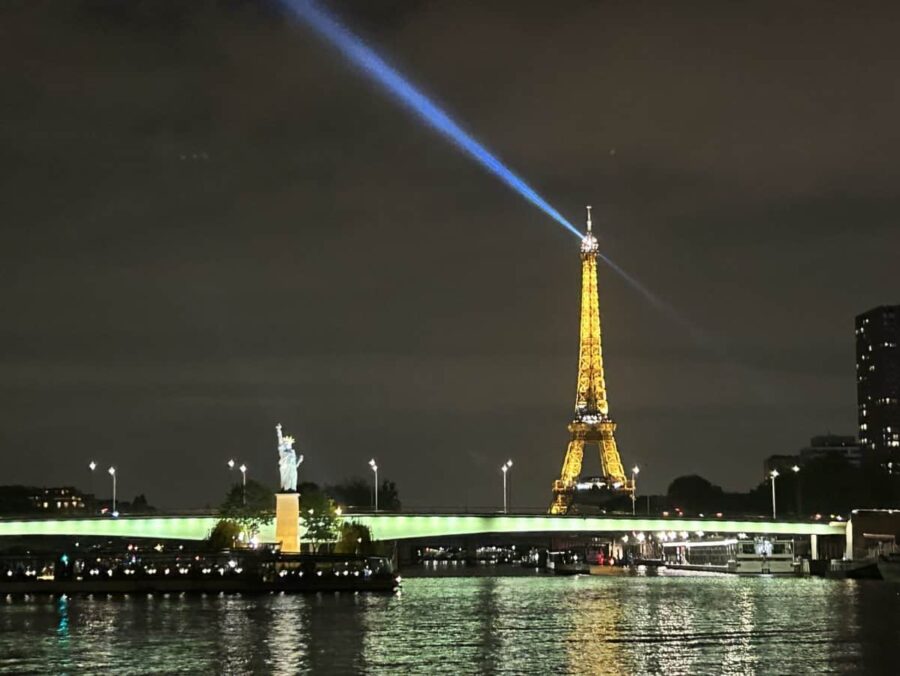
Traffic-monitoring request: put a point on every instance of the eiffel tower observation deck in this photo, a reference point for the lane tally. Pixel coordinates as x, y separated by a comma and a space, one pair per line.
592, 425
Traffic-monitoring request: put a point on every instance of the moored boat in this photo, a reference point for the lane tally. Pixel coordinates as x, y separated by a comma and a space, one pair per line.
740, 557
889, 567
567, 563
857, 569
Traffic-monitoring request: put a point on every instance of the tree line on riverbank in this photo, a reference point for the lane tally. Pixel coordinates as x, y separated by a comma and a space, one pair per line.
822, 486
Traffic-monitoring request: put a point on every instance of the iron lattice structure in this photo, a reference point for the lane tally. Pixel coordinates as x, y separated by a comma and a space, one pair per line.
592, 424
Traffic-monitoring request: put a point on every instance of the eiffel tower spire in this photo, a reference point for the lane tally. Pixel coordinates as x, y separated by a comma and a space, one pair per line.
590, 396
591, 424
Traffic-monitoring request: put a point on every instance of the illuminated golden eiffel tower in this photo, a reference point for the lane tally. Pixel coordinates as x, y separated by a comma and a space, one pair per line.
592, 424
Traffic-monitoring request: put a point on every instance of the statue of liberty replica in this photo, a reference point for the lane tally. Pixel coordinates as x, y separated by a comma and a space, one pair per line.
288, 462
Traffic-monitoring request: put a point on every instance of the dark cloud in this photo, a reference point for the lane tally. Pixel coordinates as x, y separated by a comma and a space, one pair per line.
211, 223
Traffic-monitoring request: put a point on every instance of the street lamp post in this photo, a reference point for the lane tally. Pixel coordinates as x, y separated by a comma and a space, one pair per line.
796, 470
374, 467
505, 467
634, 472
243, 469
774, 475
92, 466
112, 473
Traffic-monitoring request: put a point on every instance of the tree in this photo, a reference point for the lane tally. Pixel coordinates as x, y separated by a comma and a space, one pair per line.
319, 517
224, 535
140, 505
354, 538
694, 494
249, 506
357, 492
388, 496
354, 492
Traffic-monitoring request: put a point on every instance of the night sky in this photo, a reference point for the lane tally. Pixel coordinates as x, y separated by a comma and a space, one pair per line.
212, 223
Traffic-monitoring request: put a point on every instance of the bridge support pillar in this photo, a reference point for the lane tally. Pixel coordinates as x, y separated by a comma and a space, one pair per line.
848, 552
813, 547
287, 522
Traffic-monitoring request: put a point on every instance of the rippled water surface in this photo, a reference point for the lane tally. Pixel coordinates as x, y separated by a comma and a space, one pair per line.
672, 625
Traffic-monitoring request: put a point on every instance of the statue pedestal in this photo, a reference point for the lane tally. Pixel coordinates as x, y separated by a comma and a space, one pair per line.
287, 522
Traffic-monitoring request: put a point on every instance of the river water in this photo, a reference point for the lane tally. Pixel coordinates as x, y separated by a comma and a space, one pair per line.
662, 624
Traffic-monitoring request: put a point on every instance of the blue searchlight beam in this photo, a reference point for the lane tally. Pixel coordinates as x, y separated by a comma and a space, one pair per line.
402, 89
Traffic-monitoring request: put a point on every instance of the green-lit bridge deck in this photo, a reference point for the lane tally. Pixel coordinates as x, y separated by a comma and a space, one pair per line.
405, 526
386, 526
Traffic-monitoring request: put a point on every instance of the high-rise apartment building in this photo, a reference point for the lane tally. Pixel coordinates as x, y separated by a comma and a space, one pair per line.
878, 380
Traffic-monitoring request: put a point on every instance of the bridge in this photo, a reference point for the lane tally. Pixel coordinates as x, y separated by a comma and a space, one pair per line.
392, 526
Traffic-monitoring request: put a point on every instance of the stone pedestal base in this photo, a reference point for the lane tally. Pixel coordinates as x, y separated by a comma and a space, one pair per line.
287, 522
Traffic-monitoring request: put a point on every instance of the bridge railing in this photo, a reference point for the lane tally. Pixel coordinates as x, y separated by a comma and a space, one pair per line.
435, 511
493, 511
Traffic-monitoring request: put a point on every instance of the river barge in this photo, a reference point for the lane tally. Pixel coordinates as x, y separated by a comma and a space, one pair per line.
94, 572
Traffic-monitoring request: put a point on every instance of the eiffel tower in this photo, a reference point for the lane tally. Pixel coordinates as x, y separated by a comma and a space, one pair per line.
592, 424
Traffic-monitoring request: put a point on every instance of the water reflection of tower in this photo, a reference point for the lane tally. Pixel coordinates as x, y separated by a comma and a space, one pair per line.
597, 618
592, 424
